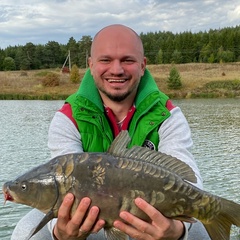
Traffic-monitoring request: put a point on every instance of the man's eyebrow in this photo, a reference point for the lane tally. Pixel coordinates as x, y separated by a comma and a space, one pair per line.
122, 57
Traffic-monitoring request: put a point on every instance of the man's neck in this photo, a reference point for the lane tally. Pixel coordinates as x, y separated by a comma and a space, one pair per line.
120, 110
118, 125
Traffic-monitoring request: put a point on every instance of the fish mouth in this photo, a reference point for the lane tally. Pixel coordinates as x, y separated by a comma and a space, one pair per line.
7, 195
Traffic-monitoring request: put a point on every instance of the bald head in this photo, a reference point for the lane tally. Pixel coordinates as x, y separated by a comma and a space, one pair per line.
117, 64
118, 33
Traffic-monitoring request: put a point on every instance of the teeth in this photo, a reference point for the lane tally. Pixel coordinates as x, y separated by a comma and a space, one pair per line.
116, 81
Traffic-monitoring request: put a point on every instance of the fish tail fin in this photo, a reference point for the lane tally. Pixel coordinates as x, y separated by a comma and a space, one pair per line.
220, 227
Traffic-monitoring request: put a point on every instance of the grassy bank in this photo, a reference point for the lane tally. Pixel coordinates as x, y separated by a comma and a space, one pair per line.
199, 81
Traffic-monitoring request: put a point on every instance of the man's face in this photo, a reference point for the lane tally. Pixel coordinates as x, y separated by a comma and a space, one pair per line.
117, 63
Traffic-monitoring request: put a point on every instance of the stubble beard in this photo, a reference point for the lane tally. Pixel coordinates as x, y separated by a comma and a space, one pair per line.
117, 97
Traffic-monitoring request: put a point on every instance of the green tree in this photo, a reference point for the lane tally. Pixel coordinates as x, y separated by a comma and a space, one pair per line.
52, 54
225, 56
159, 57
84, 50
9, 64
177, 56
22, 61
211, 59
39, 56
237, 45
73, 47
205, 53
185, 43
169, 49
28, 56
2, 56
193, 47
174, 79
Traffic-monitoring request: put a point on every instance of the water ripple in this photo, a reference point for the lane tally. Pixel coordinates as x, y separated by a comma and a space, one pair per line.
215, 125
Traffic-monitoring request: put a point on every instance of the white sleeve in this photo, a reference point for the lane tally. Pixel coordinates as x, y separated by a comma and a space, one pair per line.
63, 136
175, 140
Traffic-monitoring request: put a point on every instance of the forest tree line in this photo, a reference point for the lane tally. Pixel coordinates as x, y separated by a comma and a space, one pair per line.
213, 46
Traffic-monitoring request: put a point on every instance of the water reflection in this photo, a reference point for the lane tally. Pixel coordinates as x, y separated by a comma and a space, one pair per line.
215, 125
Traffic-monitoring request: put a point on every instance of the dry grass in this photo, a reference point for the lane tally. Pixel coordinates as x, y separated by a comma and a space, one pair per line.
29, 83
193, 76
196, 75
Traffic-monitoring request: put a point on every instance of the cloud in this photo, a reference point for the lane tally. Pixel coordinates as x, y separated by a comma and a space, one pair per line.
38, 21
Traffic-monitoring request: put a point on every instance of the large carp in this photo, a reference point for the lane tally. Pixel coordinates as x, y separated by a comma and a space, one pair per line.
114, 179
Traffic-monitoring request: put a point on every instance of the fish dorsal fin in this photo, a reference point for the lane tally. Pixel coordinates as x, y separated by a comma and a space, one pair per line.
119, 149
113, 234
163, 160
119, 144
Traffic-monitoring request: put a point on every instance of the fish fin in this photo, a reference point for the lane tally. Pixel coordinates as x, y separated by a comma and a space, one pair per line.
185, 219
113, 234
163, 160
119, 144
220, 226
119, 149
44, 221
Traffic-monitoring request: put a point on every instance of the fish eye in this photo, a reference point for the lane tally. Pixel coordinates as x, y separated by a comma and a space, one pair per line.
24, 187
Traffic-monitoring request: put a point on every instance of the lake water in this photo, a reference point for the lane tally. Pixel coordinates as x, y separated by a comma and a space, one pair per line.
215, 125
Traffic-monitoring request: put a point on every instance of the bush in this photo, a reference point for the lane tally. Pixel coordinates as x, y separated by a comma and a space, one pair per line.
9, 64
174, 79
74, 74
229, 85
51, 80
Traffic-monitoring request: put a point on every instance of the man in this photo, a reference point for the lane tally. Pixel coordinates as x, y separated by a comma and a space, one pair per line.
117, 93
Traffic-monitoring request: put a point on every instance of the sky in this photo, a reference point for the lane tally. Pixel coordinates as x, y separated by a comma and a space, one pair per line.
40, 21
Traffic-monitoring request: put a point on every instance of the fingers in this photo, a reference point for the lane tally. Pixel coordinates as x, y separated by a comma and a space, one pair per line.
93, 215
152, 212
134, 227
78, 217
159, 227
166, 226
88, 224
65, 209
83, 222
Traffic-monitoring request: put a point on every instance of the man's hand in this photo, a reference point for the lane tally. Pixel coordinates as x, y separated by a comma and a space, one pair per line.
159, 228
82, 222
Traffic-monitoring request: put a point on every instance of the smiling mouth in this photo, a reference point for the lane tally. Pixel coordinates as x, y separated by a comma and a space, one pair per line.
116, 80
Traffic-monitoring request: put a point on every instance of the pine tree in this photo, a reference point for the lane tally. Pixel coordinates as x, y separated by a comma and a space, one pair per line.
174, 79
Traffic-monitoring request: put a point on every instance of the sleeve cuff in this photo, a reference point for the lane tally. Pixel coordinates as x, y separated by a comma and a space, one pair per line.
187, 227
51, 225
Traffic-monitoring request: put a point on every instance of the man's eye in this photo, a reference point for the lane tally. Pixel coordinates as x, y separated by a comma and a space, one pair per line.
129, 61
104, 60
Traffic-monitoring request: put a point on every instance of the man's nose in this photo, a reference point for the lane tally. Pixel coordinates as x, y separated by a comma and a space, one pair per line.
116, 67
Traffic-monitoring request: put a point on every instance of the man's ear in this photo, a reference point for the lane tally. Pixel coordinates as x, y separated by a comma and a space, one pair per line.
90, 62
143, 65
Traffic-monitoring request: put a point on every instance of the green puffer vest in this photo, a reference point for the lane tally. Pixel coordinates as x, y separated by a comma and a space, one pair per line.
93, 125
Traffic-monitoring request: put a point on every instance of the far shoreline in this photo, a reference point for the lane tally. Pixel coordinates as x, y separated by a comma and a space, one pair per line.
199, 80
